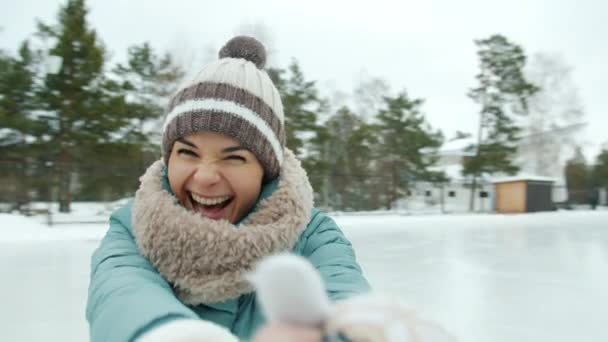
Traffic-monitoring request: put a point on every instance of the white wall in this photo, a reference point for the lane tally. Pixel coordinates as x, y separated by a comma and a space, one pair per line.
420, 201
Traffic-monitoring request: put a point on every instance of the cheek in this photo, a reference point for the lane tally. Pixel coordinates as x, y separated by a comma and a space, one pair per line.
247, 186
247, 191
177, 176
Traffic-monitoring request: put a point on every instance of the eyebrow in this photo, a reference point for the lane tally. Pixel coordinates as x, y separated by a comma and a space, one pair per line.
234, 149
226, 150
186, 142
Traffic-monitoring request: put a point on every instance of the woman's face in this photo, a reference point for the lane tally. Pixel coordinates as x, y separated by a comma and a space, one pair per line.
212, 174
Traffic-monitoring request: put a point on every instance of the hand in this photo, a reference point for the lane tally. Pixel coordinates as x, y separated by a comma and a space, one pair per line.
373, 318
280, 332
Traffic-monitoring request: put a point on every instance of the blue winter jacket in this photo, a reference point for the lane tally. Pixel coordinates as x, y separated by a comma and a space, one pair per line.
128, 296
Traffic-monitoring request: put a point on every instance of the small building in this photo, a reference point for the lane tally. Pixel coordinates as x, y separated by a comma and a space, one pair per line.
524, 194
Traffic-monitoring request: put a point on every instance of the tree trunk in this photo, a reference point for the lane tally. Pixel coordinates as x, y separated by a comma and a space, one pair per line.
442, 194
473, 189
65, 196
477, 153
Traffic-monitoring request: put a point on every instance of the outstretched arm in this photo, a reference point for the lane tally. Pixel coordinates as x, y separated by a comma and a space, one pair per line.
127, 296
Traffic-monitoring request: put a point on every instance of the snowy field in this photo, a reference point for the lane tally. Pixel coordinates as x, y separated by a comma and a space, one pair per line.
535, 277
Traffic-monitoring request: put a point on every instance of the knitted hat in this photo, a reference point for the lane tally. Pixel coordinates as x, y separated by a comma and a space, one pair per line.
232, 96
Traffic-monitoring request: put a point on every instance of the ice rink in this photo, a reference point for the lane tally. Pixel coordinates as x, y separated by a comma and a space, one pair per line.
533, 277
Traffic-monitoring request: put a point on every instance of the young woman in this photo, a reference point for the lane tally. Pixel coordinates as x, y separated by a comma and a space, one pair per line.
226, 193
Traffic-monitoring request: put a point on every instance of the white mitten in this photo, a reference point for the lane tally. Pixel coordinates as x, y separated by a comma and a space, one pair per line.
188, 330
367, 318
290, 290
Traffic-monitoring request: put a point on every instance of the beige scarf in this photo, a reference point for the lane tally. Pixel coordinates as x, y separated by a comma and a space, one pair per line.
205, 260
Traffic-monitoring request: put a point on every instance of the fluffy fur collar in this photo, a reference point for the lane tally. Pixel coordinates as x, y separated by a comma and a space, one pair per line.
205, 260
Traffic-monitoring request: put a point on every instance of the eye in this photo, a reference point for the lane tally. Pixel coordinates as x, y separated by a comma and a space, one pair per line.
236, 158
187, 152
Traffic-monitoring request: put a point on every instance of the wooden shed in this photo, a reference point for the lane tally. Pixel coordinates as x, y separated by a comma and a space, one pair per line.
523, 194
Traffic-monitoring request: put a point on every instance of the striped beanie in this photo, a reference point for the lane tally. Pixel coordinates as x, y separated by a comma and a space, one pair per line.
233, 96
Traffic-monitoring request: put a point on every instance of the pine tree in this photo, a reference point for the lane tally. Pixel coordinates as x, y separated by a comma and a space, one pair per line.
502, 92
84, 108
301, 105
19, 129
340, 161
17, 94
408, 146
600, 173
146, 81
578, 178
149, 80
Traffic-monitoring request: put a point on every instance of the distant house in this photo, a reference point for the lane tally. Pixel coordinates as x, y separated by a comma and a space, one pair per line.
454, 196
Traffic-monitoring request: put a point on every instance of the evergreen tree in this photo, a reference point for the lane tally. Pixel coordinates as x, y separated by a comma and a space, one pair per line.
600, 173
502, 91
146, 81
149, 80
301, 105
19, 129
114, 172
17, 95
408, 146
84, 107
578, 178
341, 161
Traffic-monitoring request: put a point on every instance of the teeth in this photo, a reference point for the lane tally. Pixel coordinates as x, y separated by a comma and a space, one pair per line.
209, 201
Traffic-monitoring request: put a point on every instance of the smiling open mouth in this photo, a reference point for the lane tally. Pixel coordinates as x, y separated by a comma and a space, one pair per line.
212, 208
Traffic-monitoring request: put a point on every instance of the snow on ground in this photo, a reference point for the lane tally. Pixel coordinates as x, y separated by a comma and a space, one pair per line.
17, 228
532, 277
81, 212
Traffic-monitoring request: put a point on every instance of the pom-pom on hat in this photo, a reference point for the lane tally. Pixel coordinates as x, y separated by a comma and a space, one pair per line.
232, 96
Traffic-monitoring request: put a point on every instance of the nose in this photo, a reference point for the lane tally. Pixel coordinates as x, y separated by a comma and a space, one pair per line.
206, 175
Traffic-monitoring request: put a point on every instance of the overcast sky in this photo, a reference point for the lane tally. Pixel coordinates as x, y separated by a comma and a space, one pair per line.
423, 46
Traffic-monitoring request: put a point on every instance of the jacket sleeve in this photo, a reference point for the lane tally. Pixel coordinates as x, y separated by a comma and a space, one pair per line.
332, 254
127, 296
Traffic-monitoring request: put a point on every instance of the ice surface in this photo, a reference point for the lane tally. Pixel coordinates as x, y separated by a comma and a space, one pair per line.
533, 277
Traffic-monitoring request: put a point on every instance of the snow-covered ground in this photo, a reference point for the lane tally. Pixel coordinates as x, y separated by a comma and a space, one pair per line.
533, 277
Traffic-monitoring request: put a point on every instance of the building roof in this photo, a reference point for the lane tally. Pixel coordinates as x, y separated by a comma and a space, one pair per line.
523, 177
457, 146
